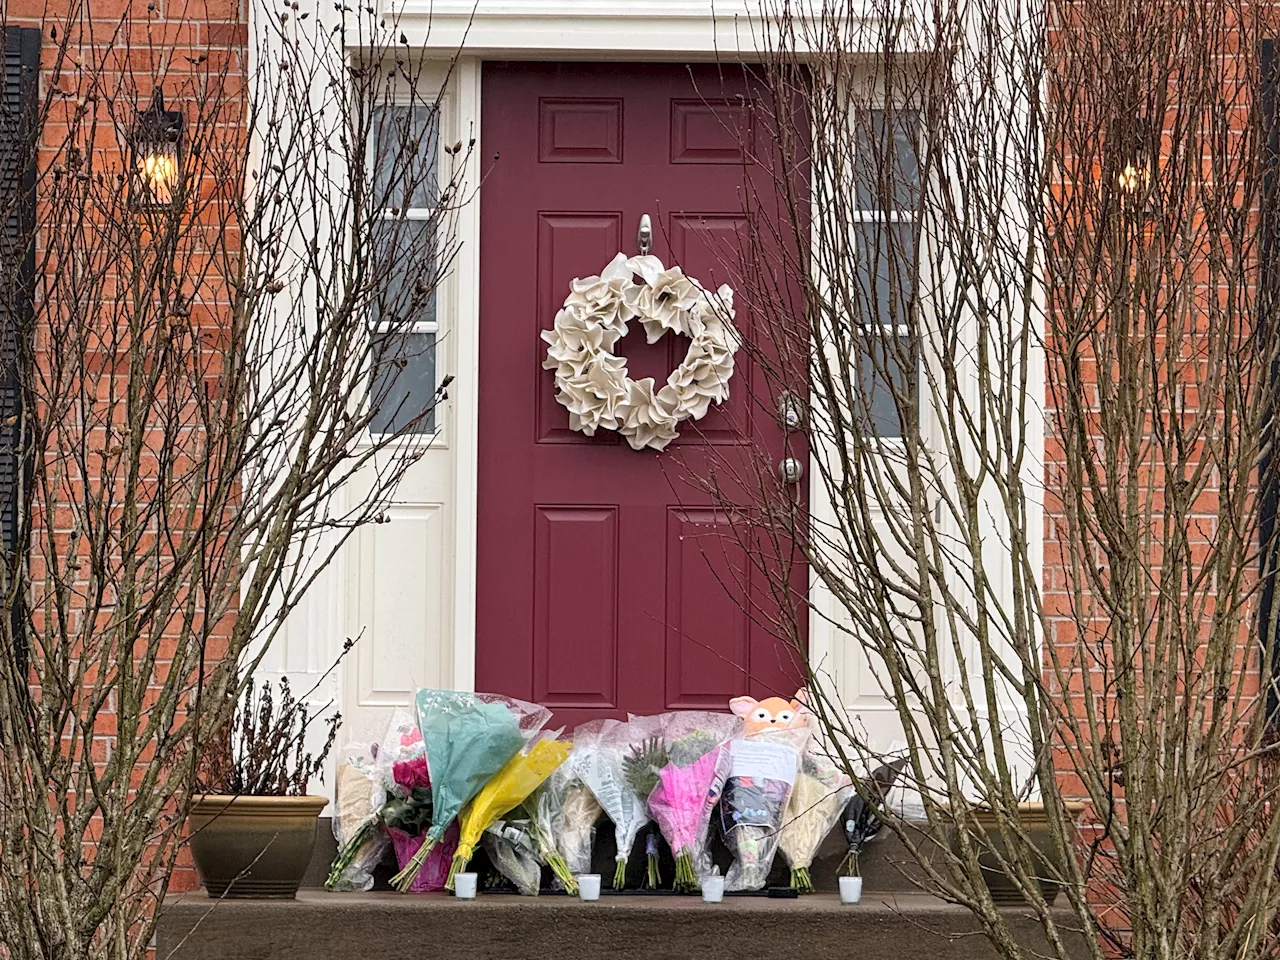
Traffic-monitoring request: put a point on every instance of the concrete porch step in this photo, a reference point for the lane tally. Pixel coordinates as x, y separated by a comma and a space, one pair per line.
895, 921
325, 926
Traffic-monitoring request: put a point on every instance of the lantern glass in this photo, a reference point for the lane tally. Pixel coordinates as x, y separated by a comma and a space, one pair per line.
157, 157
158, 174
1133, 154
1134, 178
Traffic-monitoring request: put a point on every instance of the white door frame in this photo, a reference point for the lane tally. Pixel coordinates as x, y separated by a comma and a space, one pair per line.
471, 31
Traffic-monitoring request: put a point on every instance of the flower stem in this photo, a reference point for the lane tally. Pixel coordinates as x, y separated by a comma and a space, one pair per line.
347, 854
458, 864
561, 870
654, 877
801, 880
686, 879
403, 880
620, 874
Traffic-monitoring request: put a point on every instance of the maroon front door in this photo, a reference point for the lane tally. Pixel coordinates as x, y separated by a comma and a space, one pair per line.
608, 581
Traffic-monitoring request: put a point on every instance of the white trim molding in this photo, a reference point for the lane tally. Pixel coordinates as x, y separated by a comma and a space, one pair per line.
577, 29
466, 390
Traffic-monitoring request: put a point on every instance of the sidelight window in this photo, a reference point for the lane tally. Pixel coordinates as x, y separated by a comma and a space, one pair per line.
404, 155
885, 239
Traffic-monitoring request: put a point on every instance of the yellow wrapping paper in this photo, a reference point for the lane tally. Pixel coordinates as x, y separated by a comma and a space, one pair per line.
522, 775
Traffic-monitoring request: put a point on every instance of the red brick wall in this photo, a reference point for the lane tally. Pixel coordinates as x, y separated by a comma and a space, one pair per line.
121, 48
1138, 43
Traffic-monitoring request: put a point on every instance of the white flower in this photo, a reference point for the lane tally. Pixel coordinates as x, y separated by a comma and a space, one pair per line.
702, 379
574, 333
608, 299
592, 396
571, 343
646, 420
665, 302
715, 308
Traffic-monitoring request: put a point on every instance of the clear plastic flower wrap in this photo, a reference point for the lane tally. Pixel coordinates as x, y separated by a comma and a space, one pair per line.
581, 814
401, 744
689, 784
762, 771
355, 822
510, 848
546, 819
817, 803
563, 813
601, 748
366, 778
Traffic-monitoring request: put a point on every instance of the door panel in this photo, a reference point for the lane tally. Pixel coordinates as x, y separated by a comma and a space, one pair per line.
706, 130
609, 580
575, 619
565, 242
708, 627
579, 130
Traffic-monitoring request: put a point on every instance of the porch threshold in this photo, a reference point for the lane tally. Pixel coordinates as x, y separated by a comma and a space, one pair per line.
336, 926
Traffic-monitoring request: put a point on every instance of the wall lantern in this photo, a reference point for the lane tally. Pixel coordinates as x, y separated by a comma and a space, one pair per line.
1133, 156
1133, 178
156, 161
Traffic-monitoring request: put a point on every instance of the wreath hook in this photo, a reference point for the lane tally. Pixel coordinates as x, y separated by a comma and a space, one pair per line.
644, 235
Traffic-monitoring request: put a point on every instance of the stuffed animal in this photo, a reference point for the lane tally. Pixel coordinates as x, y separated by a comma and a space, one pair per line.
772, 713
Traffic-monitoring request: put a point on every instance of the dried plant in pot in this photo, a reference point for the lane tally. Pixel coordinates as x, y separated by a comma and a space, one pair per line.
984, 827
252, 826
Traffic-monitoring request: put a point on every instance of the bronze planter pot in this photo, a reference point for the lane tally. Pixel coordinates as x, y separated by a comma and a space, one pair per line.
1035, 822
253, 846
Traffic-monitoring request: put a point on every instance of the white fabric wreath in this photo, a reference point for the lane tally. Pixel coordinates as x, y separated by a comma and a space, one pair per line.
592, 383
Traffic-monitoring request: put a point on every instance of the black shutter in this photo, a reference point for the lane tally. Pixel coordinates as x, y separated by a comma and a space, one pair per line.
1268, 481
17, 289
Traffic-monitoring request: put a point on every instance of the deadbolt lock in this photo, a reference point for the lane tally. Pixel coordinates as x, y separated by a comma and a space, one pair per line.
791, 412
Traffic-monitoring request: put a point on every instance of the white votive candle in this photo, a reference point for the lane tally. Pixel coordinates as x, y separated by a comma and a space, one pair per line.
464, 886
713, 889
589, 886
850, 889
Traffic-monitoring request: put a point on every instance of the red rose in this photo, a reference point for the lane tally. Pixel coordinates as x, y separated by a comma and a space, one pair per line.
411, 773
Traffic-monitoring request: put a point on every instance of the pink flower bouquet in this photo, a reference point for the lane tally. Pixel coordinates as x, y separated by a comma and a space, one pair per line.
681, 804
688, 788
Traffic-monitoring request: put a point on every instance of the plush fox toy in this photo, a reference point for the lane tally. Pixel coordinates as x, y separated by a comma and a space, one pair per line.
772, 713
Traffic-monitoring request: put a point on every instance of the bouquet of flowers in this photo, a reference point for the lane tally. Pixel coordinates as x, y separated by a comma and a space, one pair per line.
862, 813
689, 786
510, 847
518, 778
355, 823
365, 781
599, 754
761, 773
817, 801
469, 737
577, 834
642, 766
562, 815
546, 819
